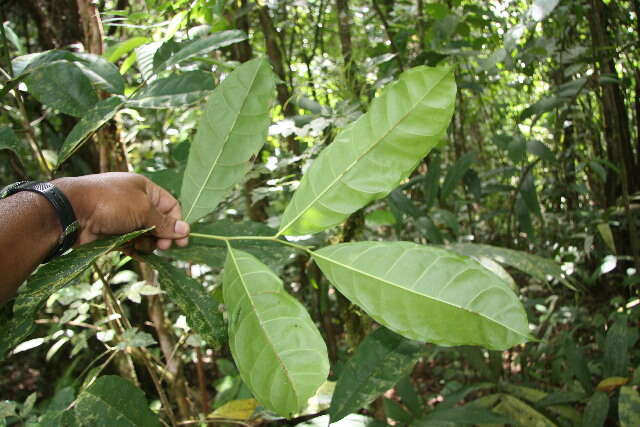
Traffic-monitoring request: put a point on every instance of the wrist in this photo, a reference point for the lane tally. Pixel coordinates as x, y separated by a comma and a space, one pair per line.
70, 187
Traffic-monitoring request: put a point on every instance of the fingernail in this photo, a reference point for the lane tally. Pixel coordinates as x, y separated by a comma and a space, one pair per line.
181, 227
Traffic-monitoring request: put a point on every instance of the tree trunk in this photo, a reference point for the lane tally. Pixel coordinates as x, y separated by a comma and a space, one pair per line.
58, 22
616, 120
344, 31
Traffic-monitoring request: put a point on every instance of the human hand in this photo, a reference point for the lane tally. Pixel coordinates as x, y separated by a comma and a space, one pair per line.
119, 202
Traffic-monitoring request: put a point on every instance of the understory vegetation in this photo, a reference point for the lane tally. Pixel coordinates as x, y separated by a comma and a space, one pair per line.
411, 213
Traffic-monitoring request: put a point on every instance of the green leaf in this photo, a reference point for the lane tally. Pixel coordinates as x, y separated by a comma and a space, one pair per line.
395, 411
123, 48
409, 395
533, 265
114, 401
275, 344
101, 72
521, 413
164, 52
464, 415
560, 397
169, 179
530, 195
9, 141
169, 57
56, 410
399, 201
432, 181
50, 278
629, 407
378, 363
380, 218
174, 91
604, 229
144, 58
402, 125
27, 63
200, 308
577, 363
101, 113
213, 252
595, 414
426, 293
62, 85
615, 362
232, 130
540, 149
453, 398
456, 173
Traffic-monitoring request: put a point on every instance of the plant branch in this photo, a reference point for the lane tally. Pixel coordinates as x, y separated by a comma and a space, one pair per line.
264, 238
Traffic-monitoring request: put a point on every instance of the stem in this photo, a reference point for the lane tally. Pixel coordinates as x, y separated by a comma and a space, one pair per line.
265, 238
142, 356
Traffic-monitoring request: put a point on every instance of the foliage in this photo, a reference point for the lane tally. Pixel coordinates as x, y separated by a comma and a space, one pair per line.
363, 177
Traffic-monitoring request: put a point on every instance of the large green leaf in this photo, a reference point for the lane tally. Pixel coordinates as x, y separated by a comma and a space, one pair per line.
121, 49
174, 91
533, 265
232, 130
462, 415
371, 156
101, 72
426, 293
521, 413
113, 401
378, 363
213, 252
101, 113
629, 407
50, 278
200, 308
27, 63
595, 413
144, 58
277, 348
179, 52
615, 361
63, 86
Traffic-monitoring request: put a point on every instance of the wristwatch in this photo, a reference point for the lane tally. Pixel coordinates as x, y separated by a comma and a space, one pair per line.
61, 205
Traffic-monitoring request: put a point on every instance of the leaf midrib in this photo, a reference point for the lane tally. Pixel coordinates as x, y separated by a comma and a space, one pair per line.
418, 293
357, 160
224, 144
262, 329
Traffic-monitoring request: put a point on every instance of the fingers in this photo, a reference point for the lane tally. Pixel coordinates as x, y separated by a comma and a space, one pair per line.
166, 226
165, 214
145, 244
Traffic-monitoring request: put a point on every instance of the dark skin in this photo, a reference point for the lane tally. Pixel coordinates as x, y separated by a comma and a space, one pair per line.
104, 204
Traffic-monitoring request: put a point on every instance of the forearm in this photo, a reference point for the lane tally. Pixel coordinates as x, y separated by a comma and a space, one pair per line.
29, 231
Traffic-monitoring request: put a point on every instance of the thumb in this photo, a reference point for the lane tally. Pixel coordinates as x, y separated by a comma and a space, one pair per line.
166, 226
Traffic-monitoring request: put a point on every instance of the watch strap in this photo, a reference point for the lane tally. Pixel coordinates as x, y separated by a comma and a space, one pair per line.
60, 204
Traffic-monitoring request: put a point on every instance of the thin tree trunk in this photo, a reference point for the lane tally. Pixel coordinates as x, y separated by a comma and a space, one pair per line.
344, 31
616, 120
273, 43
274, 51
